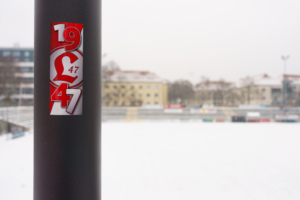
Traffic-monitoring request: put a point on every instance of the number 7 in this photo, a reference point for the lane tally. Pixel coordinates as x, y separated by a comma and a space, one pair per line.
75, 97
76, 69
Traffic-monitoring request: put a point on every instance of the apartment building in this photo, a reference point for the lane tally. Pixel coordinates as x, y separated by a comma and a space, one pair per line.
133, 88
16, 81
266, 90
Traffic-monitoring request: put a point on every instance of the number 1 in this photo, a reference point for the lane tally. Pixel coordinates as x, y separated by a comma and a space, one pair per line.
60, 28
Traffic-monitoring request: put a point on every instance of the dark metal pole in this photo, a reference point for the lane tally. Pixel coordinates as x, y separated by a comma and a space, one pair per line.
67, 138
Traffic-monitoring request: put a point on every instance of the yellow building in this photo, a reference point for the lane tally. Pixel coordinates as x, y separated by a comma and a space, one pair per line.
133, 88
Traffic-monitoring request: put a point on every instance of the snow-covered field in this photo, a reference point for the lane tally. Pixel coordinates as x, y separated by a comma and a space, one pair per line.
178, 161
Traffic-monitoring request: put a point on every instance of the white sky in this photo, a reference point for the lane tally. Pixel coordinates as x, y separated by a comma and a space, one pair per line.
185, 39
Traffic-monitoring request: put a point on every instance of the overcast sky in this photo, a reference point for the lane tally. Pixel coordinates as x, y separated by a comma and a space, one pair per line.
185, 39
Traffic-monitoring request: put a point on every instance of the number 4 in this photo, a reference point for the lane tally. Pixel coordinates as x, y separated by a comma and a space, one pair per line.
63, 94
60, 95
71, 70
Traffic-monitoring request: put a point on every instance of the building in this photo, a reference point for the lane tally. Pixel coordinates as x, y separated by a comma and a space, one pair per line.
292, 85
16, 71
265, 90
259, 90
133, 88
256, 90
218, 93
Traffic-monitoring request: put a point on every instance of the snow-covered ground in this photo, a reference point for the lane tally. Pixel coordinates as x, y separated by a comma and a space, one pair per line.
16, 168
179, 161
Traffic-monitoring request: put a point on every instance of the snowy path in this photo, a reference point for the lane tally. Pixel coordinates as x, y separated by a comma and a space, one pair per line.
179, 161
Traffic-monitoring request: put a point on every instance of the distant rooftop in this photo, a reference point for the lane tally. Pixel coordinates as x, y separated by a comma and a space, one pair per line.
17, 48
266, 80
213, 85
133, 76
17, 54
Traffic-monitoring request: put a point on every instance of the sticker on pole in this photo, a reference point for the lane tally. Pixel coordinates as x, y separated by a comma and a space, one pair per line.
66, 68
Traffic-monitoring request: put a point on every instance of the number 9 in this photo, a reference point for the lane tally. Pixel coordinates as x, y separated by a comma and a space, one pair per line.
72, 35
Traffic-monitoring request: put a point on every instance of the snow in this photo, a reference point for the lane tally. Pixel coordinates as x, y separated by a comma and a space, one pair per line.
16, 168
179, 161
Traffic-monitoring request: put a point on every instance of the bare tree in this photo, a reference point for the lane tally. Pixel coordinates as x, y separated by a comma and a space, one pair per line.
9, 83
232, 97
297, 98
247, 83
221, 91
213, 92
8, 87
202, 93
181, 91
108, 67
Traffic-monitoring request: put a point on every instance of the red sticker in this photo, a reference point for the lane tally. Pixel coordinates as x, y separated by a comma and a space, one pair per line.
66, 68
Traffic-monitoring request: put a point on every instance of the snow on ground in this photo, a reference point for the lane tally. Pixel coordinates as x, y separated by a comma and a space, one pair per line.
16, 168
179, 161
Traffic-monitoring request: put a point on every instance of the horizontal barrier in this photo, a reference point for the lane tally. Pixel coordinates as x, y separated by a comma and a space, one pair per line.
18, 134
23, 116
287, 121
208, 120
265, 120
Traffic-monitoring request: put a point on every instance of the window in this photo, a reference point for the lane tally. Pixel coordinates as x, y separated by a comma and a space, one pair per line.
16, 54
264, 89
5, 53
156, 102
116, 87
132, 87
123, 86
148, 86
16, 90
26, 53
27, 80
29, 100
148, 95
26, 69
276, 90
115, 103
141, 87
123, 95
106, 86
140, 95
156, 86
27, 91
132, 95
156, 95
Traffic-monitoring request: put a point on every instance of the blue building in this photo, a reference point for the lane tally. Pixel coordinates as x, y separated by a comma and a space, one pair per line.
22, 62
